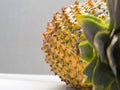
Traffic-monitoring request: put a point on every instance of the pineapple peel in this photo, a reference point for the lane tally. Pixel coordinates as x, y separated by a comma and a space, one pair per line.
72, 47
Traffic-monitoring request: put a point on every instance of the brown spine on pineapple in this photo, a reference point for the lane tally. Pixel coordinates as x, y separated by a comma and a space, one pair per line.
60, 44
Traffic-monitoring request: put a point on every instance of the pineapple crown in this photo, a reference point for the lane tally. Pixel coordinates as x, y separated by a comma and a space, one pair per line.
104, 69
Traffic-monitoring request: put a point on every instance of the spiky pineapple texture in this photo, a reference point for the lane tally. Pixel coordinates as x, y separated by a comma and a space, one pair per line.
62, 38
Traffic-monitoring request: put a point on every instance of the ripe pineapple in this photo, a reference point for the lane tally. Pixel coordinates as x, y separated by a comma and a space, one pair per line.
74, 46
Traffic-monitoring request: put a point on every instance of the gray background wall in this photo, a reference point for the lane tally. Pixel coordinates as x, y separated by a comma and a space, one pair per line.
21, 24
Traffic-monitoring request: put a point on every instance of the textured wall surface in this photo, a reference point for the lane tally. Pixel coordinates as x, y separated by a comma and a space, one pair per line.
21, 24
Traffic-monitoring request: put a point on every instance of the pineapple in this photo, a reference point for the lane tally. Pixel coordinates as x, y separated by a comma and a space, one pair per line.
76, 47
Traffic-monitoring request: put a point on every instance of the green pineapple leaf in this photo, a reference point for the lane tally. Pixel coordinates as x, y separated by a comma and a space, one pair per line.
103, 78
91, 25
89, 71
113, 54
99, 42
112, 47
114, 85
114, 10
86, 51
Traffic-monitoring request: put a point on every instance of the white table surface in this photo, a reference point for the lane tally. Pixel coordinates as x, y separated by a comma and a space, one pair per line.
31, 82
